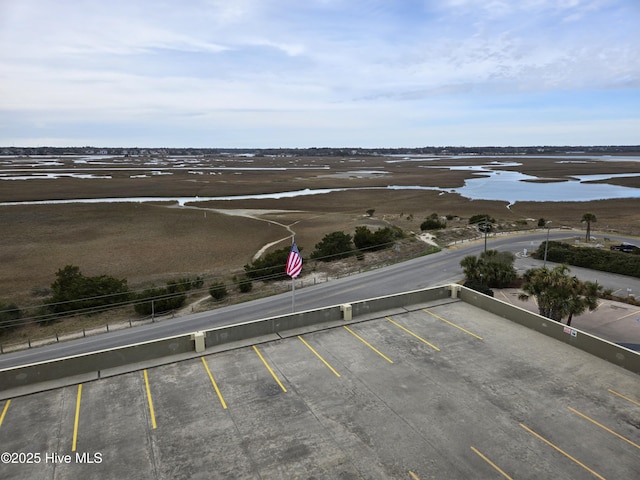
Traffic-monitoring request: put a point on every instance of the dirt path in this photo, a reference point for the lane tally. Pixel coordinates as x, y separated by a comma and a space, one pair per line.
254, 214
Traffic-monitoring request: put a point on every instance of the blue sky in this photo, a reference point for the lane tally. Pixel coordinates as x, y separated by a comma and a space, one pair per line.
290, 73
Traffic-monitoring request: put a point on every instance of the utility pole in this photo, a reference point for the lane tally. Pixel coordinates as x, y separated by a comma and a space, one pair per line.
546, 245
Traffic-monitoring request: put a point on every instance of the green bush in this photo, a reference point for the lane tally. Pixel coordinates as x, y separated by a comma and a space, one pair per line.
158, 300
479, 287
270, 267
365, 239
245, 285
333, 246
593, 258
432, 224
218, 290
73, 291
10, 316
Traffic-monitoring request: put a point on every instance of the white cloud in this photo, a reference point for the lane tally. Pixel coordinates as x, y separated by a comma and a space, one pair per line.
262, 62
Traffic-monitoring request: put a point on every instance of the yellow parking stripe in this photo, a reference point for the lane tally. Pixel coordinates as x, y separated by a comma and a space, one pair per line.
319, 356
368, 344
75, 422
577, 462
269, 368
452, 324
603, 427
4, 411
151, 410
475, 450
411, 333
215, 385
622, 396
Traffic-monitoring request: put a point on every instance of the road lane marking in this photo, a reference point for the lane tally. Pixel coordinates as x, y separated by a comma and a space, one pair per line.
215, 385
622, 396
4, 411
411, 333
319, 356
603, 427
452, 324
75, 422
577, 462
476, 451
275, 377
149, 400
368, 344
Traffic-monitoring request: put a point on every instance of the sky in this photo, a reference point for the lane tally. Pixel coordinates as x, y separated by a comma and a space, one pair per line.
319, 73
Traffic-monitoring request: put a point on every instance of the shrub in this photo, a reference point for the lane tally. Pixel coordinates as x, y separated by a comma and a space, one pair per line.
593, 258
10, 316
365, 239
245, 285
73, 291
432, 224
158, 300
218, 290
270, 267
333, 246
479, 287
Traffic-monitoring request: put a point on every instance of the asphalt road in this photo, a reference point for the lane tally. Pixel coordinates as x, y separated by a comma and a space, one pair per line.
437, 269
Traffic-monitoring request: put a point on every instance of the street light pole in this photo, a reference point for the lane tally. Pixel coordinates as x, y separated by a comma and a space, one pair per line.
486, 220
546, 245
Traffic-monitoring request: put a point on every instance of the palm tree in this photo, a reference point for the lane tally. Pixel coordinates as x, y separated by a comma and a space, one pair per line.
558, 294
588, 218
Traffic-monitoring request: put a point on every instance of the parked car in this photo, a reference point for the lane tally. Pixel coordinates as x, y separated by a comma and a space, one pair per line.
625, 247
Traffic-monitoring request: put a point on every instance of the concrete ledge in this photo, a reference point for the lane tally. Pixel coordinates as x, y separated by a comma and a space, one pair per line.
70, 370
611, 352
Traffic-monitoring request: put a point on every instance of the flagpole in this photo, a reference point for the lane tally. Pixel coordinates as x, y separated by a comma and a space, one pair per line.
293, 282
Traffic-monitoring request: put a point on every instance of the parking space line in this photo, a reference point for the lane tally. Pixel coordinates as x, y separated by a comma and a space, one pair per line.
319, 356
75, 422
4, 411
215, 385
411, 333
149, 400
368, 344
577, 462
275, 377
622, 396
603, 427
629, 315
413, 475
476, 451
452, 324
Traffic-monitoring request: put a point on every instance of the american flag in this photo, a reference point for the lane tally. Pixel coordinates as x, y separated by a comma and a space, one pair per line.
294, 262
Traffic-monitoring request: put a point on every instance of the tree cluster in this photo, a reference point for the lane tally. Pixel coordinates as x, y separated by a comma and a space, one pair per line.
558, 294
492, 269
73, 291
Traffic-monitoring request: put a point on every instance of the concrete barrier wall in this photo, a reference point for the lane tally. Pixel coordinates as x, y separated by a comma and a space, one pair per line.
598, 347
399, 300
147, 351
117, 357
93, 362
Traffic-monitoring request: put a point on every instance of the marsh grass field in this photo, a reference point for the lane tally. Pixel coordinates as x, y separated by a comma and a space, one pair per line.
153, 242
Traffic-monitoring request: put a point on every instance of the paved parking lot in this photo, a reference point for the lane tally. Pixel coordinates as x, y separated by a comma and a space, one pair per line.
445, 392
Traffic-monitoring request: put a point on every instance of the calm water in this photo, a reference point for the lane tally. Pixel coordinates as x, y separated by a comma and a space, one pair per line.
490, 183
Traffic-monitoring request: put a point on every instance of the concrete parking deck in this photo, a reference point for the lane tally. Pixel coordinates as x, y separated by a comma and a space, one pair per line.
445, 392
